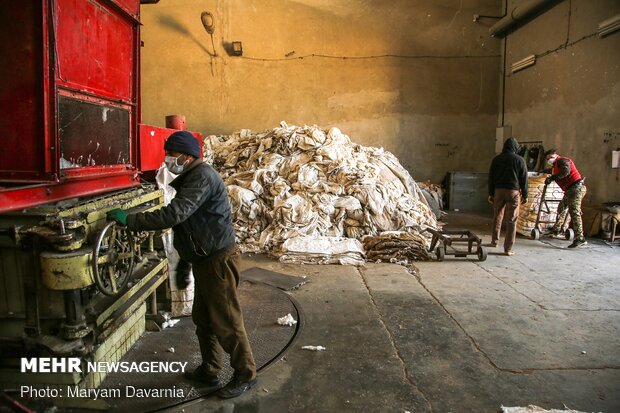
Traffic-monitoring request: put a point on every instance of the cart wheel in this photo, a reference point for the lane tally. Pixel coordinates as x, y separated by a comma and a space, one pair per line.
569, 234
535, 234
482, 254
441, 253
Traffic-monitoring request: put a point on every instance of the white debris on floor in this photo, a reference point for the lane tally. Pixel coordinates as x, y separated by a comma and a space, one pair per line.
293, 188
313, 348
535, 409
287, 320
170, 323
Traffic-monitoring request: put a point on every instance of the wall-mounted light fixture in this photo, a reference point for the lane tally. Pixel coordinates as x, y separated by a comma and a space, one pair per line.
523, 63
209, 24
609, 26
237, 49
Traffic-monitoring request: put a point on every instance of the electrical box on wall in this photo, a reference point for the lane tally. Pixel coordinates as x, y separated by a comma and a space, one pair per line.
615, 159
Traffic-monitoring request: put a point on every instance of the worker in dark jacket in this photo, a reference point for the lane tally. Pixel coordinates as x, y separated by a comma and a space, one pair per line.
200, 217
565, 174
507, 189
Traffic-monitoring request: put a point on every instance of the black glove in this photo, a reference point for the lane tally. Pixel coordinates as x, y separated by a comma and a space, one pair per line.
182, 274
548, 180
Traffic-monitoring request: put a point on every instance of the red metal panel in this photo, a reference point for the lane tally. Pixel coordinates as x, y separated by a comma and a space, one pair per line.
95, 47
86, 49
130, 6
22, 91
152, 140
23, 197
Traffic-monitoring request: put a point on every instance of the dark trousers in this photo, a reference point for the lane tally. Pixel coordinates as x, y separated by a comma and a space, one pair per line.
218, 317
506, 203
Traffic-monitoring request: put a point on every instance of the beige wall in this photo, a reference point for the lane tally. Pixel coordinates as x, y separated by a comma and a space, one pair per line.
435, 113
571, 98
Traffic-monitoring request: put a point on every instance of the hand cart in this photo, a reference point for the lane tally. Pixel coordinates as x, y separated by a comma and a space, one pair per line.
448, 238
545, 207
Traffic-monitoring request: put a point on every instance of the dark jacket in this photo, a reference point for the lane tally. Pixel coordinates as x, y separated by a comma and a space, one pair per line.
508, 170
199, 214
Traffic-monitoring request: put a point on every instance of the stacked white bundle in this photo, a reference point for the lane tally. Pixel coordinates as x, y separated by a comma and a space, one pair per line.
308, 182
529, 211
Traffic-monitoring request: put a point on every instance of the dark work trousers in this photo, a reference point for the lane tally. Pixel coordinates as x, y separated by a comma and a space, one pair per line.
506, 203
218, 317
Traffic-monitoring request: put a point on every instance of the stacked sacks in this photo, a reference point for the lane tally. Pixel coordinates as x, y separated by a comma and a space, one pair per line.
321, 250
307, 182
529, 211
396, 247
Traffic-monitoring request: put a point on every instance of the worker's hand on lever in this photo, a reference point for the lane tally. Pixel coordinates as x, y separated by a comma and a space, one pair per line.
491, 199
548, 180
182, 274
117, 215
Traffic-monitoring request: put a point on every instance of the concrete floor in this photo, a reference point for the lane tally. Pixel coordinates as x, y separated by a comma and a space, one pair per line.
541, 327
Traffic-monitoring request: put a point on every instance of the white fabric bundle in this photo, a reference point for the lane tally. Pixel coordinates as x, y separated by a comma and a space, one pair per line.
303, 181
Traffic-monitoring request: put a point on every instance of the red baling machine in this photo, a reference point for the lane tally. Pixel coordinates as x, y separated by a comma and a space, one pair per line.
71, 283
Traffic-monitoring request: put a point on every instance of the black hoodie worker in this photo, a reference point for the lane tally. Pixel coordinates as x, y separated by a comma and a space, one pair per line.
204, 236
507, 188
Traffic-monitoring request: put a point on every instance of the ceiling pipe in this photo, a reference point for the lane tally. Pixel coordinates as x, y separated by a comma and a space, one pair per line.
525, 9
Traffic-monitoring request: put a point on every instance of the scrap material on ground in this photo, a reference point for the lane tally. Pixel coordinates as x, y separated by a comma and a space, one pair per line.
396, 247
305, 181
536, 409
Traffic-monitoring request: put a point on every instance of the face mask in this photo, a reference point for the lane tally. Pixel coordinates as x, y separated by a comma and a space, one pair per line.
551, 161
172, 164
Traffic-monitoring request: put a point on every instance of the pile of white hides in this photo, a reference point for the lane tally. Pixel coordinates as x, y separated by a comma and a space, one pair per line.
304, 181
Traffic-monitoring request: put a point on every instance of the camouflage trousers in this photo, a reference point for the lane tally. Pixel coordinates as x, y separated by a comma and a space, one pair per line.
571, 204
